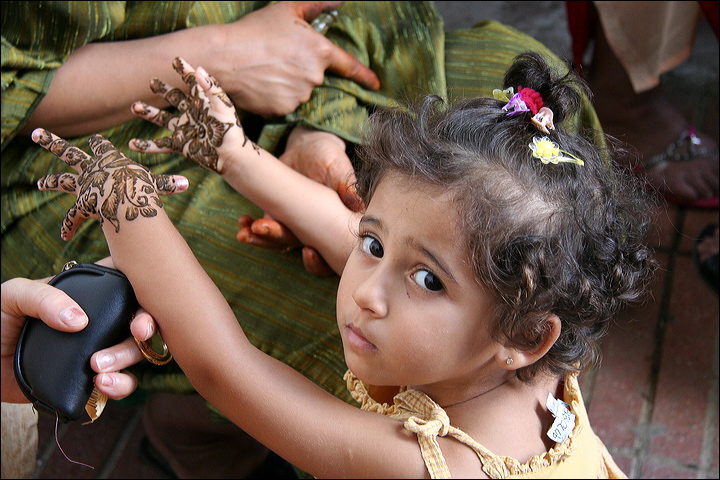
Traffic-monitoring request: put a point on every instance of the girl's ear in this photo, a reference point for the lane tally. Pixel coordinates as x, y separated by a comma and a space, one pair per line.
512, 359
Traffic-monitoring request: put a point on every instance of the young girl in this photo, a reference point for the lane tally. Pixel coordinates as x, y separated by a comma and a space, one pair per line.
492, 252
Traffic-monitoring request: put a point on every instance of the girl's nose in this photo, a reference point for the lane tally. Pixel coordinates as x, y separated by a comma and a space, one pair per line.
371, 294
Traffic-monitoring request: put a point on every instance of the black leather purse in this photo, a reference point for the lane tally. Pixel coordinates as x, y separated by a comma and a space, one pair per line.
53, 367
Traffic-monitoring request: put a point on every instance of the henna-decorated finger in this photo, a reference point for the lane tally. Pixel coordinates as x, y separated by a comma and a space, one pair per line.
159, 117
72, 221
162, 145
170, 184
186, 71
65, 151
174, 96
211, 86
62, 182
102, 147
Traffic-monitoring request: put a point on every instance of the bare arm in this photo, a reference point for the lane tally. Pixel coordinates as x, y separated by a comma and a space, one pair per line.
269, 61
322, 157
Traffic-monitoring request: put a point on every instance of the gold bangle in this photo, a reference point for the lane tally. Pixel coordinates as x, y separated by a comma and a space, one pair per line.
151, 355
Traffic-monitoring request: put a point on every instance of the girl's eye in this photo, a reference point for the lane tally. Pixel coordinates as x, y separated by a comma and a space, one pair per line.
372, 247
428, 280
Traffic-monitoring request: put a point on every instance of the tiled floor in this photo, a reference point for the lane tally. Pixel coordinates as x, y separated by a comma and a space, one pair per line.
654, 401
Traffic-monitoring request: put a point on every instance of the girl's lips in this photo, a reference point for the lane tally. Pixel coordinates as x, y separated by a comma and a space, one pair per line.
356, 339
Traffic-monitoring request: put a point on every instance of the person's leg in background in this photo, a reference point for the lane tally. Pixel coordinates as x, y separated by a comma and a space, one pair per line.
19, 440
636, 42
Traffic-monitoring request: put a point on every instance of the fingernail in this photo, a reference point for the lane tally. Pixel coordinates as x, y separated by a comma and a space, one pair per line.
182, 183
73, 317
105, 360
107, 380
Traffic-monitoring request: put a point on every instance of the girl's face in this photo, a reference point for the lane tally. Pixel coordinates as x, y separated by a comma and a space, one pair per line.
409, 309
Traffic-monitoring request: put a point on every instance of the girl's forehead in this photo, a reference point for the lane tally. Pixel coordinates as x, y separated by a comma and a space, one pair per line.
400, 184
402, 200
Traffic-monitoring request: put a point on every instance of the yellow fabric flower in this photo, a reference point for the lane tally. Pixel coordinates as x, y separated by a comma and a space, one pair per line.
548, 152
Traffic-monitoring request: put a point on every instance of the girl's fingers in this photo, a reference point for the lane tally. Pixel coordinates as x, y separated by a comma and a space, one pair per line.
212, 87
62, 182
170, 184
154, 115
174, 96
66, 152
100, 146
151, 146
186, 71
73, 218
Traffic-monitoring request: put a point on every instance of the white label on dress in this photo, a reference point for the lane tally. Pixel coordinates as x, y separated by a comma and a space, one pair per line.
564, 419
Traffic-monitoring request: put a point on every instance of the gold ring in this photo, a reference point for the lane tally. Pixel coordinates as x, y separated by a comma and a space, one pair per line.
151, 355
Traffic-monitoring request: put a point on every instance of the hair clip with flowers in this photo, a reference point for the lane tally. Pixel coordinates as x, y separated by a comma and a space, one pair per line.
548, 152
543, 120
527, 100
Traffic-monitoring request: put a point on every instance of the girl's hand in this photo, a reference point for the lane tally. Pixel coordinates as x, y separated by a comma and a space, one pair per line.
207, 127
107, 184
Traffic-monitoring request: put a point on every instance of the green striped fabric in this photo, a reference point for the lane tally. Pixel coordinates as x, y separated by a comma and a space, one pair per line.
285, 311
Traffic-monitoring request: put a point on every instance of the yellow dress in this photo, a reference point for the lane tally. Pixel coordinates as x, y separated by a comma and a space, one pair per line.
581, 455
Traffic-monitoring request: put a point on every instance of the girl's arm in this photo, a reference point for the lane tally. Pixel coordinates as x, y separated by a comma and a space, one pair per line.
208, 132
272, 402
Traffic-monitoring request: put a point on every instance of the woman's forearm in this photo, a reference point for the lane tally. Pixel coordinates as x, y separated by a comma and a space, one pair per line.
99, 82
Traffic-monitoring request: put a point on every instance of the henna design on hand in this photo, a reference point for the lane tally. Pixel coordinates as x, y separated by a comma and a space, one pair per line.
200, 129
104, 183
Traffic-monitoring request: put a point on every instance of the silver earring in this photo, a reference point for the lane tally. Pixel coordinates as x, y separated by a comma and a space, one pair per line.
509, 361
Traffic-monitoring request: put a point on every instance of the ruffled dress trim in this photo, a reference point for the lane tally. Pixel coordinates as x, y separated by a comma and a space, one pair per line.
428, 420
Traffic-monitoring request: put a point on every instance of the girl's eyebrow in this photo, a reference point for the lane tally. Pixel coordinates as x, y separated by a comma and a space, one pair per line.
378, 224
375, 222
433, 259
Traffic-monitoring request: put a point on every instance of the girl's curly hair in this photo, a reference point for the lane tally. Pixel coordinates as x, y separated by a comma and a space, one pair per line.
544, 239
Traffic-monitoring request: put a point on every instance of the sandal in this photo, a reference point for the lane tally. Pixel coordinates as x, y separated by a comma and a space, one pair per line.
688, 146
708, 268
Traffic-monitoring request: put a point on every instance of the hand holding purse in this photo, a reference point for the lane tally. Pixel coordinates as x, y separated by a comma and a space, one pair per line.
53, 367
